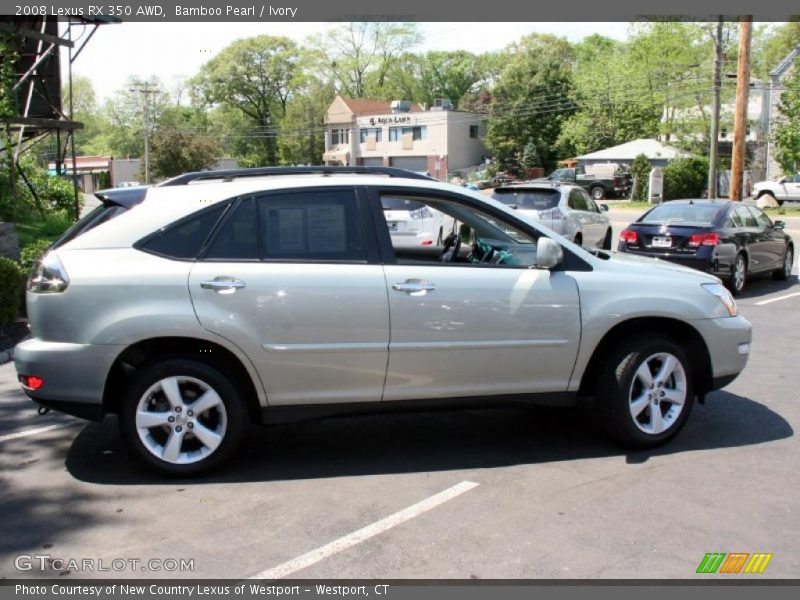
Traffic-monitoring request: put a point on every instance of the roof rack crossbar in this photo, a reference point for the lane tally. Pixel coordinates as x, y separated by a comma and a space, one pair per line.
231, 174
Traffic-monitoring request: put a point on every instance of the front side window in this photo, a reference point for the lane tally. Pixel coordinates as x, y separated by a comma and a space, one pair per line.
462, 235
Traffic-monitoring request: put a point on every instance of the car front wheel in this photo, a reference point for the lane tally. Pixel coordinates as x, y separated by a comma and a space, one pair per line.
644, 391
182, 417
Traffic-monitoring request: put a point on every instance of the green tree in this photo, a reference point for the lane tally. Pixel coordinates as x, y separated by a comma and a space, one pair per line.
787, 129
640, 170
531, 99
357, 57
254, 76
175, 151
302, 139
685, 178
530, 156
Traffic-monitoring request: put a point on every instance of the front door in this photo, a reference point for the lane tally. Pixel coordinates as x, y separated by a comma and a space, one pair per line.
289, 279
474, 318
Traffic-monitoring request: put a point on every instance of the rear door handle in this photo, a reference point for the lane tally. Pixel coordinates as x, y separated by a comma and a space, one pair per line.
223, 285
414, 287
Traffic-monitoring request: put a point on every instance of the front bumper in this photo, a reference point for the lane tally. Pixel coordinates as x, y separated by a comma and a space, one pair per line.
74, 374
728, 341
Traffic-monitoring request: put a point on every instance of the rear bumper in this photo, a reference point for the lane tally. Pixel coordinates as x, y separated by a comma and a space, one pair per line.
74, 374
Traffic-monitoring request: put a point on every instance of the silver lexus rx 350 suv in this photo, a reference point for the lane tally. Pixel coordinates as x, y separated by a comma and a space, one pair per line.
277, 294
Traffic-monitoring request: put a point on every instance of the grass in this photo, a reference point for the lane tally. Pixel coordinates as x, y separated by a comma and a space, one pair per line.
628, 204
783, 211
33, 227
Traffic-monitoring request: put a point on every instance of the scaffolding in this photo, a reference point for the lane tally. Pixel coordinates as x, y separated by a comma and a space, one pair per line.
36, 89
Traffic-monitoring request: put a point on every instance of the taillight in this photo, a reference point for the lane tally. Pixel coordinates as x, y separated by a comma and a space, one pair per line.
48, 276
31, 382
554, 214
704, 239
628, 236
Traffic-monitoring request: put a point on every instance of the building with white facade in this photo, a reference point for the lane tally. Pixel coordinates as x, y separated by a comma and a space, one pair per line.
438, 141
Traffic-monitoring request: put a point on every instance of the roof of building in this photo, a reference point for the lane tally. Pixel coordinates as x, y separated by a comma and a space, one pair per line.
652, 149
364, 106
784, 65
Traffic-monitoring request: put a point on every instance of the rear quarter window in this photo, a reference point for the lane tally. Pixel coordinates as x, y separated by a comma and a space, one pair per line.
185, 238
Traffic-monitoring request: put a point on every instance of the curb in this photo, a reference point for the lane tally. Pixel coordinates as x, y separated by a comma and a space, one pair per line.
6, 356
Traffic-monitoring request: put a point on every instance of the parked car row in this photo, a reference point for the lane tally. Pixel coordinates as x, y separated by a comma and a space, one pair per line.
272, 295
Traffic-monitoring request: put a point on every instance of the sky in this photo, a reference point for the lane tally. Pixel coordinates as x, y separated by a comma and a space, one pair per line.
174, 51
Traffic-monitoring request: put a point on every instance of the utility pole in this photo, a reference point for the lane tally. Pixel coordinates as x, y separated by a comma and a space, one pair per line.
740, 116
712, 163
145, 90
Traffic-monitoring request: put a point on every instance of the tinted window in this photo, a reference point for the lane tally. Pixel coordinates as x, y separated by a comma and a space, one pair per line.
544, 199
186, 238
745, 216
762, 219
99, 215
238, 238
683, 214
577, 201
320, 225
735, 219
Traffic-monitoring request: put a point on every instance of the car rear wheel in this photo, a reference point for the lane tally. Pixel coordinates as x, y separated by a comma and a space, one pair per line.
644, 391
598, 193
784, 273
607, 241
738, 278
578, 239
182, 417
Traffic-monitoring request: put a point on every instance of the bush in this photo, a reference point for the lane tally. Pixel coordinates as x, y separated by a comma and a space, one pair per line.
685, 178
31, 253
640, 171
12, 282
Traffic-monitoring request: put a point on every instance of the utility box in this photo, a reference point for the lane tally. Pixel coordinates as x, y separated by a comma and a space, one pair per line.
655, 191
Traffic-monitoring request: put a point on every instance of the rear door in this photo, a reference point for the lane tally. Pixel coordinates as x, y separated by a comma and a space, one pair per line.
579, 211
293, 279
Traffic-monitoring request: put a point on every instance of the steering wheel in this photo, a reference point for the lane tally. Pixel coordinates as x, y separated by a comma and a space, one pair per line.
452, 244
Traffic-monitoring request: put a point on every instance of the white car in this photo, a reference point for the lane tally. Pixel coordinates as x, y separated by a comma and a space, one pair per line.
414, 225
781, 189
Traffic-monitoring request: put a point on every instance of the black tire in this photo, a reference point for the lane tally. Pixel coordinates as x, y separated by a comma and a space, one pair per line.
578, 239
735, 283
785, 271
231, 420
607, 241
598, 193
615, 387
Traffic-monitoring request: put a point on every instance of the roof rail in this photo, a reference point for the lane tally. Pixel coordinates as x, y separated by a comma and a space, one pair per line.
231, 174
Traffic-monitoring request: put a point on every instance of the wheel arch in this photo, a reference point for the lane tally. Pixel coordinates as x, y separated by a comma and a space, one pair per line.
681, 332
206, 351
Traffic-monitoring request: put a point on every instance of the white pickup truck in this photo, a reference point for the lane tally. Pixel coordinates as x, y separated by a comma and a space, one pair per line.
781, 189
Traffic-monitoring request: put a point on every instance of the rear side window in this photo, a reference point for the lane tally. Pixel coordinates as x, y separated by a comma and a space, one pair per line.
184, 239
528, 199
577, 201
238, 237
311, 225
745, 216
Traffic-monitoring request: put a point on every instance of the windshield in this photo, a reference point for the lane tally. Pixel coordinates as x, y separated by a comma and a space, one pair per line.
682, 214
528, 199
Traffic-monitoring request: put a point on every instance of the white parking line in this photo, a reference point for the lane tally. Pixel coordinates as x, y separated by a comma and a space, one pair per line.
36, 431
778, 299
351, 539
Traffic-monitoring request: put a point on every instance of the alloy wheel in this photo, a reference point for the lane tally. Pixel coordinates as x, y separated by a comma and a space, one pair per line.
739, 274
181, 420
787, 263
658, 393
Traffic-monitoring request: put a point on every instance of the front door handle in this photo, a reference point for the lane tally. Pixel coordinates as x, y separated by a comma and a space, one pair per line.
223, 285
414, 287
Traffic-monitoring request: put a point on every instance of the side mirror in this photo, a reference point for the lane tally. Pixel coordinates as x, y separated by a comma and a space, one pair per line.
604, 207
779, 224
549, 254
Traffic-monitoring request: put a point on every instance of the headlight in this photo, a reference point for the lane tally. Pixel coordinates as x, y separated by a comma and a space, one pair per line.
48, 276
721, 292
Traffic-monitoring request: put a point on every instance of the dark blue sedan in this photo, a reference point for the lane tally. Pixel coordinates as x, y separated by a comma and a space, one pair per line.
729, 239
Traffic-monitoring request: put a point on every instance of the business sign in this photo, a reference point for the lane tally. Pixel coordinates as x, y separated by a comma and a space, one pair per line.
378, 121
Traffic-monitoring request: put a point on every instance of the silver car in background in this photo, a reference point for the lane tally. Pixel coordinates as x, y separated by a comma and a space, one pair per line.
281, 294
566, 209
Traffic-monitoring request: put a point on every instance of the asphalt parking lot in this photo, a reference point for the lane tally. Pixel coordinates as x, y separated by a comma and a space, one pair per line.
507, 493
